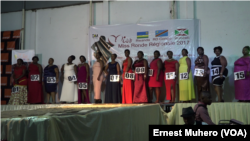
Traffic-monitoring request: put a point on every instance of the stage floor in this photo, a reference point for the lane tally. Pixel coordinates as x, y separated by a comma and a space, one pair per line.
12, 111
90, 122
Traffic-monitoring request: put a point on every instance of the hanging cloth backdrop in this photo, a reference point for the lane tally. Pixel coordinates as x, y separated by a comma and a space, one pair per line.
163, 36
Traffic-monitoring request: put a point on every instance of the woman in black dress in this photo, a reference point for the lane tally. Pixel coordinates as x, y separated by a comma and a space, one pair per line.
219, 72
113, 86
50, 80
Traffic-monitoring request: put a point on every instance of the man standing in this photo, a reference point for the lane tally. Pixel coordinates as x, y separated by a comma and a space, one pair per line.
189, 117
201, 113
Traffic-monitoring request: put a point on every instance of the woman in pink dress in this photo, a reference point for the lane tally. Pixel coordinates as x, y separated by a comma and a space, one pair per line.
98, 77
83, 77
140, 84
242, 89
155, 81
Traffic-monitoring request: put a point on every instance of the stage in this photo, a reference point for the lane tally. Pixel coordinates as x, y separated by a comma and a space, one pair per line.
77, 122
94, 122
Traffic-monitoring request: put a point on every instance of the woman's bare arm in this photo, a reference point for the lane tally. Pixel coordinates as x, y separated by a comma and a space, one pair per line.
159, 65
57, 74
223, 62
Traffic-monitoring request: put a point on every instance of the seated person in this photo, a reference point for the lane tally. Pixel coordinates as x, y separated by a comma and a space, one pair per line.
189, 117
201, 113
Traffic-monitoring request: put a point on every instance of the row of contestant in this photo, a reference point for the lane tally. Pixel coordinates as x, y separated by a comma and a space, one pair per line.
133, 91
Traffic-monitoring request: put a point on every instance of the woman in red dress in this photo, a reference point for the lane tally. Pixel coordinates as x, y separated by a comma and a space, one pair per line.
128, 84
35, 92
155, 81
171, 67
140, 84
19, 92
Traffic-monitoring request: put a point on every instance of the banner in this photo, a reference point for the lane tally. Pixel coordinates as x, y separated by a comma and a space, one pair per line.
26, 55
169, 35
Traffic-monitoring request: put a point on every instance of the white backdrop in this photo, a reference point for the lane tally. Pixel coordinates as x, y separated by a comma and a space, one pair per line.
168, 35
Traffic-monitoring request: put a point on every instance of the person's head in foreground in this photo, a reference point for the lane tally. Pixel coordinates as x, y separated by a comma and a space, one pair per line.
206, 98
188, 115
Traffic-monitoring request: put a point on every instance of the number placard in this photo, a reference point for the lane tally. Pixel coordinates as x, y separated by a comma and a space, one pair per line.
239, 75
150, 72
72, 78
83, 85
51, 79
215, 71
199, 72
114, 78
140, 70
15, 89
170, 75
130, 76
183, 76
35, 77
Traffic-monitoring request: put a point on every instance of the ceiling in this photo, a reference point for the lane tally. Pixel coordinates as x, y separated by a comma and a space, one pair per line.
14, 6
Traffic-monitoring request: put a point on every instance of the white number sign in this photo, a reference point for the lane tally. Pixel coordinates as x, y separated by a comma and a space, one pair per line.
83, 86
170, 75
72, 78
114, 78
183, 76
215, 71
198, 72
35, 77
15, 89
239, 75
140, 70
130, 76
150, 73
51, 79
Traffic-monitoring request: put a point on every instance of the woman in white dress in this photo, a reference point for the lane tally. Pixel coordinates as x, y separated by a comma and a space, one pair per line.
69, 79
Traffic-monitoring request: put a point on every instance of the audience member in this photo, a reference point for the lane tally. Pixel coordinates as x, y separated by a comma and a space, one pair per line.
201, 113
189, 117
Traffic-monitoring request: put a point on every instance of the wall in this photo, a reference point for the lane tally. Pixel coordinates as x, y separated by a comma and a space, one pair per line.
224, 24
65, 29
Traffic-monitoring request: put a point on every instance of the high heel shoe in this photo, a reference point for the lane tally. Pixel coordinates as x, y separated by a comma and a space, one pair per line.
96, 101
100, 101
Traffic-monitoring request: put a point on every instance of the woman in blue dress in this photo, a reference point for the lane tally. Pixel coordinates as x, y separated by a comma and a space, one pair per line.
113, 85
50, 79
